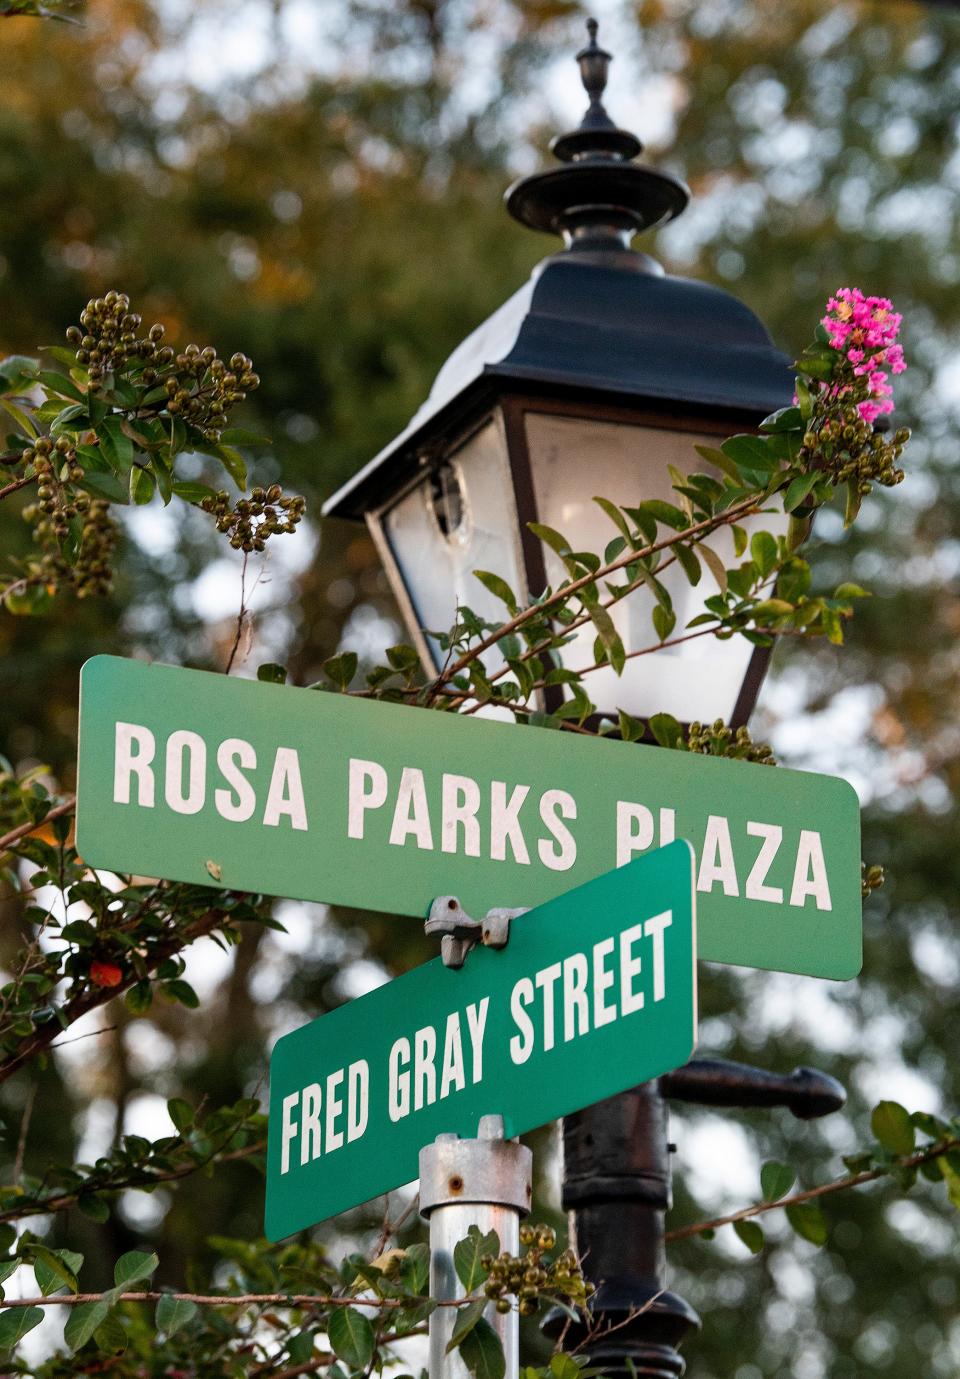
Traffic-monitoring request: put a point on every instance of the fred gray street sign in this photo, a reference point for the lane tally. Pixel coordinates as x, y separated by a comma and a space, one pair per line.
320, 796
594, 992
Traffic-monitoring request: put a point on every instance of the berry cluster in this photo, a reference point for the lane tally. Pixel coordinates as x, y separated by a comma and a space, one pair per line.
719, 740
846, 447
196, 384
55, 464
530, 1276
252, 521
871, 878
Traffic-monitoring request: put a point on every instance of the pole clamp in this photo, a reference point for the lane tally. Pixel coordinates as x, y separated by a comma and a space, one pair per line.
459, 933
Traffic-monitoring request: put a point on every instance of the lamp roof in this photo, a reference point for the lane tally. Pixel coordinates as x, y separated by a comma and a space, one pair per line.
598, 320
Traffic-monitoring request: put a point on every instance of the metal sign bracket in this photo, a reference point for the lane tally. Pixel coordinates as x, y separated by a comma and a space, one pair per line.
459, 933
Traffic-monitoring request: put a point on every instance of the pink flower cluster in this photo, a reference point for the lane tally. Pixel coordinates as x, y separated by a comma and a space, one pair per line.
865, 330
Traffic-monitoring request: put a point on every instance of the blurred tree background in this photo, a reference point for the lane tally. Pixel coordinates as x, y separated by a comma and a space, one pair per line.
319, 185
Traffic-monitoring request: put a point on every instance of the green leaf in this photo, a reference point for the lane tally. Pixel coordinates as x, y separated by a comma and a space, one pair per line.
15, 1322
133, 1267
798, 489
341, 669
666, 513
666, 730
111, 1335
139, 998
16, 372
721, 461
173, 1313
94, 1207
192, 492
482, 1352
852, 506
59, 383
351, 1336
84, 1320
467, 1318
751, 452
499, 588
804, 399
141, 485
851, 591
181, 1113
751, 1234
715, 565
272, 674
564, 1366
56, 1269
183, 992
467, 1254
415, 1269
664, 622
689, 562
786, 419
233, 462
763, 549
807, 1220
631, 729
776, 1180
893, 1127
115, 445
550, 538
609, 636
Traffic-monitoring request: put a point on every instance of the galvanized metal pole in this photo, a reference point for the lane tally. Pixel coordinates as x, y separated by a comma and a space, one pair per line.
487, 1183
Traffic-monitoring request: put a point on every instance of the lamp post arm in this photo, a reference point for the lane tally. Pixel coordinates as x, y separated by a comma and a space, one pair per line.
805, 1092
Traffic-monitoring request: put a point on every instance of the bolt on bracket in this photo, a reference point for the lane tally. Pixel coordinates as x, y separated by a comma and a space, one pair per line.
459, 933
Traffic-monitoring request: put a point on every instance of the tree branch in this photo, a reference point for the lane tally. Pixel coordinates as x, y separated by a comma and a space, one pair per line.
869, 1175
23, 830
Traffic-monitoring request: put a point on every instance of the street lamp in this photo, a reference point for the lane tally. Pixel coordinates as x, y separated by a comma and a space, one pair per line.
592, 379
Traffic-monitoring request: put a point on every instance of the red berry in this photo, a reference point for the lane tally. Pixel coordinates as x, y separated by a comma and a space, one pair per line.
106, 974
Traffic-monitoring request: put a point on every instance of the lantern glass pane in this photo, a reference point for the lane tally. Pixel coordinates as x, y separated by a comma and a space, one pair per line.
574, 459
460, 517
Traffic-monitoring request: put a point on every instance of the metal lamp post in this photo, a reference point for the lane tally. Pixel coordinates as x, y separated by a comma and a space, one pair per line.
593, 378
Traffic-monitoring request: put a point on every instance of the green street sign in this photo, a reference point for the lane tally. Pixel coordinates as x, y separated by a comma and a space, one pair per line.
594, 993
320, 796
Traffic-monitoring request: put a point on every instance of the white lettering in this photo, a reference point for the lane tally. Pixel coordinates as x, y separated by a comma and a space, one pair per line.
399, 1093
755, 889
810, 873
360, 798
334, 1137
452, 1073
285, 795
561, 854
288, 1130
460, 800
476, 1024
521, 1045
505, 822
630, 1000
195, 748
716, 862
424, 1073
238, 803
546, 979
654, 928
127, 763
576, 974
310, 1123
358, 1099
411, 815
602, 981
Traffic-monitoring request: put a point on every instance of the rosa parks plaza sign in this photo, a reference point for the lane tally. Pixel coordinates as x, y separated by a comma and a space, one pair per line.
594, 992
320, 796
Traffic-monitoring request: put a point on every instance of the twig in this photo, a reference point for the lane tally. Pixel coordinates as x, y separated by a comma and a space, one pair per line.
241, 616
24, 1131
91, 1034
237, 1300
22, 830
46, 1206
868, 1175
15, 484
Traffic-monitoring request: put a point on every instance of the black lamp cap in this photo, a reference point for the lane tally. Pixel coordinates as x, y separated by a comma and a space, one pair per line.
599, 198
